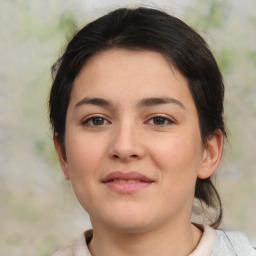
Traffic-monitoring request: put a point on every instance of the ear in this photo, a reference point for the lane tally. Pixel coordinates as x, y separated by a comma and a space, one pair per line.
61, 155
211, 155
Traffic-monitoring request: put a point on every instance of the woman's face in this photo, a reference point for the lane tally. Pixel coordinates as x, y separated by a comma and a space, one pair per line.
133, 144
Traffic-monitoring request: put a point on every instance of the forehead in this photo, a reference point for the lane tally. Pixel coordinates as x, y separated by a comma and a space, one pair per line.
134, 61
144, 71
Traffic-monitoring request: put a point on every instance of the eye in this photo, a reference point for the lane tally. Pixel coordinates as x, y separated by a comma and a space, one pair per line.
95, 121
160, 121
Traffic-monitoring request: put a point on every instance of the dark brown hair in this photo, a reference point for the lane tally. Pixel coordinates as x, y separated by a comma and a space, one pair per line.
151, 29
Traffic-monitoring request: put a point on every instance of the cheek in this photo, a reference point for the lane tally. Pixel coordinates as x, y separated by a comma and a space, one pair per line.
85, 157
84, 154
178, 157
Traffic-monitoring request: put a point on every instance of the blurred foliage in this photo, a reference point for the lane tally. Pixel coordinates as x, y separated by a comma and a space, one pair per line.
36, 21
46, 248
251, 55
208, 14
224, 58
46, 151
68, 24
37, 30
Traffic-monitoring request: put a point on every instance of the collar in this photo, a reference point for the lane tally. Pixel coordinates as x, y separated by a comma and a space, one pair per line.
204, 247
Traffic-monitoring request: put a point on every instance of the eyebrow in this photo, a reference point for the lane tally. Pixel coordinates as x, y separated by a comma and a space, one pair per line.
94, 101
146, 102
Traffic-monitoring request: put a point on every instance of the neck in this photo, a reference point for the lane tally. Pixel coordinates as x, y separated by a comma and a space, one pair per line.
168, 240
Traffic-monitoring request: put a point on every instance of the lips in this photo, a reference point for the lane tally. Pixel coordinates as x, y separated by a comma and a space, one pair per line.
126, 176
126, 182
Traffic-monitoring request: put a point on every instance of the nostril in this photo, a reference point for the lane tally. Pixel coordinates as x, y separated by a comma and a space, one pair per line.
133, 156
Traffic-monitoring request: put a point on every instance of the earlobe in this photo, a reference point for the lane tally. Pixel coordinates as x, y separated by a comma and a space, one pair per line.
211, 155
62, 157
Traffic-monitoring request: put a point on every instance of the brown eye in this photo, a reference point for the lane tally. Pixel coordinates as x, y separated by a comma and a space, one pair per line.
160, 121
98, 120
95, 121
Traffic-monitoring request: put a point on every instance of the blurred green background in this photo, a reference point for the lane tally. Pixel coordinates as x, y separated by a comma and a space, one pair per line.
38, 211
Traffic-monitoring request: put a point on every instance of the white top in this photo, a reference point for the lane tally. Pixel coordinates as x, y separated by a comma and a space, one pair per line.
213, 243
206, 243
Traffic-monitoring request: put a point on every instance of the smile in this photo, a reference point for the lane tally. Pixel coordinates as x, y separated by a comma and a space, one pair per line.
126, 183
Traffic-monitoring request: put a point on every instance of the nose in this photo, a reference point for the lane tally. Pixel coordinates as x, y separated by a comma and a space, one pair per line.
127, 143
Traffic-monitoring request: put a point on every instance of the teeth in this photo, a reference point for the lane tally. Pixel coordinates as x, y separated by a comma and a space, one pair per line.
131, 181
124, 181
119, 181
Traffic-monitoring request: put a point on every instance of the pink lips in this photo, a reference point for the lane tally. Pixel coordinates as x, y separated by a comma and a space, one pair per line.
126, 182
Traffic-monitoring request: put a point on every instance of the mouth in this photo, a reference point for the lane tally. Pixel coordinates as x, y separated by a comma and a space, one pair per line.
126, 182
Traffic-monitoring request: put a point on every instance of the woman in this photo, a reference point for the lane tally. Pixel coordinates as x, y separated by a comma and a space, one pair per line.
136, 108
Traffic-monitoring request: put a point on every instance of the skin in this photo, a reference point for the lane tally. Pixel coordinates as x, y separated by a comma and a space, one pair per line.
129, 137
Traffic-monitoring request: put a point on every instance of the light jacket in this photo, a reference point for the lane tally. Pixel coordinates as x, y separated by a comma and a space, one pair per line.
213, 243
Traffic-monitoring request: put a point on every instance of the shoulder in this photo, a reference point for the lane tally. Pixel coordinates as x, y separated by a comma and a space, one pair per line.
232, 243
67, 251
79, 248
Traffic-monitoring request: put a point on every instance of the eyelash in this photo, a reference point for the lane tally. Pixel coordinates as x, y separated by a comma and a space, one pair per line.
167, 121
92, 118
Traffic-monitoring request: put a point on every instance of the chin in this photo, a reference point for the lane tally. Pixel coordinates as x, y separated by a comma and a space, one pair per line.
127, 220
